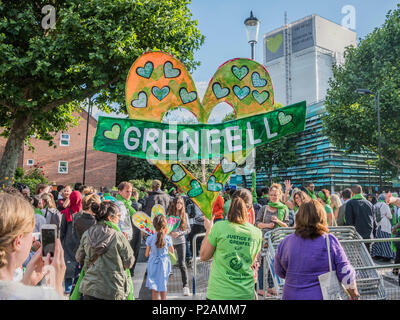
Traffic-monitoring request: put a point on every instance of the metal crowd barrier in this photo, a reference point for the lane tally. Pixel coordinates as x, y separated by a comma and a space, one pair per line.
201, 272
370, 277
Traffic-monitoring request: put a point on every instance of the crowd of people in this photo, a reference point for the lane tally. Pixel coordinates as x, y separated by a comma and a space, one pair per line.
98, 245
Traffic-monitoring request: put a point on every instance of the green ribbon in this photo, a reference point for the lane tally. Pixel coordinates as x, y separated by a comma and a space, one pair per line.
127, 203
281, 210
311, 194
38, 211
76, 294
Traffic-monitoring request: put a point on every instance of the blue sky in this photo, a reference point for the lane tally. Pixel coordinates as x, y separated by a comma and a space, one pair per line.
222, 24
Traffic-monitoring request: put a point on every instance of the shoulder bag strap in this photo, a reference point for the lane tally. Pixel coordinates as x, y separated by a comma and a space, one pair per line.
329, 252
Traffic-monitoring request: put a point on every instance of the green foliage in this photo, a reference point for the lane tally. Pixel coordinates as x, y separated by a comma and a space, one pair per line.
31, 177
280, 152
19, 173
45, 75
138, 183
351, 119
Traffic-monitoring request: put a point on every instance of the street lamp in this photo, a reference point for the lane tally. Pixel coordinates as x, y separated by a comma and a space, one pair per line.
252, 26
376, 96
86, 140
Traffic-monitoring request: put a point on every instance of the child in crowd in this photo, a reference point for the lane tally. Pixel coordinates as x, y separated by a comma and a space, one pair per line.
159, 264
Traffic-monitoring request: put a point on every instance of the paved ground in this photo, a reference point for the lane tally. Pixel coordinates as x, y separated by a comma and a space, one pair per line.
174, 284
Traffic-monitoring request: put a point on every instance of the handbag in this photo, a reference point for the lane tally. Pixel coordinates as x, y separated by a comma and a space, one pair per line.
331, 288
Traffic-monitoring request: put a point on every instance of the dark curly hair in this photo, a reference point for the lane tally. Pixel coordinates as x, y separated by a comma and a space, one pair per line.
104, 210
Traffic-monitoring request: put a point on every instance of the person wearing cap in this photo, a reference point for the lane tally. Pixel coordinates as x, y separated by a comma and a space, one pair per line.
156, 196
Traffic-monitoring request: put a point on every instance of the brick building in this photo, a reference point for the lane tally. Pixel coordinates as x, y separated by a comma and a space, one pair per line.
64, 165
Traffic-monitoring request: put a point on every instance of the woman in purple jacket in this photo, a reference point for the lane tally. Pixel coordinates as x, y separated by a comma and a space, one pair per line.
302, 256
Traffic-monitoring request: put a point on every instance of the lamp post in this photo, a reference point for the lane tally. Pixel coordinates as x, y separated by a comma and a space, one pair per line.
376, 96
86, 140
252, 27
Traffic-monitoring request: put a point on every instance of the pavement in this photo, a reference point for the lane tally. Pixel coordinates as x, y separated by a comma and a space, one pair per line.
175, 288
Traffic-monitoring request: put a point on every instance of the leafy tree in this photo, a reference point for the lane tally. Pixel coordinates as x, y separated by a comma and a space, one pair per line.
129, 168
351, 119
280, 152
46, 74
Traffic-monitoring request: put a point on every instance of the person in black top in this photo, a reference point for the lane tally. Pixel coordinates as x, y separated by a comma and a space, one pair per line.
359, 213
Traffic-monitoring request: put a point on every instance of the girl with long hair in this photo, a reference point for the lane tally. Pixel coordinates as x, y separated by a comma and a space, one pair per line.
177, 208
324, 198
159, 265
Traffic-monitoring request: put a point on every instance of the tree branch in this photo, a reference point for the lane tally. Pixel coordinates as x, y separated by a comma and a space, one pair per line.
85, 95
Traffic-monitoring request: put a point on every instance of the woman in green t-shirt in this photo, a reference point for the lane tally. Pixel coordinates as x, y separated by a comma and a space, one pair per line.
324, 198
234, 244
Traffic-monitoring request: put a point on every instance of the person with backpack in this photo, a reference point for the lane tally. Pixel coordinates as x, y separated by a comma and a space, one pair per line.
50, 212
383, 216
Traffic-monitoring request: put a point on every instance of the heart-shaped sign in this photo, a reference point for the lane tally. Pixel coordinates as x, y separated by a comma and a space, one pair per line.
213, 185
257, 81
160, 93
114, 133
274, 43
170, 72
141, 101
146, 71
157, 210
143, 222
179, 173
260, 97
148, 100
219, 91
284, 119
173, 223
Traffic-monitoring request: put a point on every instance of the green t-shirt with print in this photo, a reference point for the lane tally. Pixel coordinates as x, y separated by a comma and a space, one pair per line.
236, 246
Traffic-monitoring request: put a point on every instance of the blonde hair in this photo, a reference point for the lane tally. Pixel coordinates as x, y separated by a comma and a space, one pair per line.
48, 199
278, 188
89, 199
87, 190
335, 201
16, 217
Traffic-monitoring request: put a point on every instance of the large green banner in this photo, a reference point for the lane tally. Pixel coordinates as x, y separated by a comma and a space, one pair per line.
172, 142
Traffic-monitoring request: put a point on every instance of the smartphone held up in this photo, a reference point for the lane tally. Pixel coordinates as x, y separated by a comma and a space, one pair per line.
48, 234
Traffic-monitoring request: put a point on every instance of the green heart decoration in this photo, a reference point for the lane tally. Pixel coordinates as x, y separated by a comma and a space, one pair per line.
146, 71
170, 71
114, 133
260, 97
186, 96
240, 73
195, 190
141, 101
160, 93
227, 166
213, 185
257, 81
219, 91
284, 119
241, 93
179, 173
147, 101
274, 43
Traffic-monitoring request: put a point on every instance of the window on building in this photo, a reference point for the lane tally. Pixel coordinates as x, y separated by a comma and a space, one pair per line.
64, 139
29, 162
63, 167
